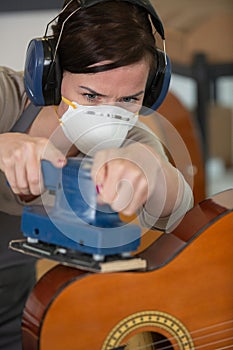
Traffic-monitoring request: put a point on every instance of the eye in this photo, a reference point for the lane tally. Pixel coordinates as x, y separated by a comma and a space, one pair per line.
91, 97
130, 99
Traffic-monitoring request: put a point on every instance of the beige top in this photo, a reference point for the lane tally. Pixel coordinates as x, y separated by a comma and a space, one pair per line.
12, 103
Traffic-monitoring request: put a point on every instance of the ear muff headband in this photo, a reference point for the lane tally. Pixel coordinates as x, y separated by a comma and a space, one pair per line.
42, 73
142, 3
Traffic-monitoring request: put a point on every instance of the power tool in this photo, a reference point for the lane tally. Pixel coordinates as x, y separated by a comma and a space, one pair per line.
75, 230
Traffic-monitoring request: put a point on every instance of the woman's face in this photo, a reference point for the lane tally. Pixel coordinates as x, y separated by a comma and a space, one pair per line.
124, 86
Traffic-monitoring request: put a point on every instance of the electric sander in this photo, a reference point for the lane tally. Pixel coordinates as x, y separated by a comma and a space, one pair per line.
74, 229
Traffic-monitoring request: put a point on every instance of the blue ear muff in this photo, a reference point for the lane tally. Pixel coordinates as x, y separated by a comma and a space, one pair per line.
42, 74
166, 78
33, 72
157, 84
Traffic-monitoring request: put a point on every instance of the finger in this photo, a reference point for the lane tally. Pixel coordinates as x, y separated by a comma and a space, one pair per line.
28, 171
99, 169
11, 179
33, 176
124, 195
112, 182
21, 178
118, 170
131, 196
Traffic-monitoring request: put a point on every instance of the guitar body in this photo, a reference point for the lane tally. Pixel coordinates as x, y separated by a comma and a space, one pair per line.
184, 299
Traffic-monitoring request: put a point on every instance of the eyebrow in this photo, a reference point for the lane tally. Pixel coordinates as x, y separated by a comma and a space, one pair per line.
101, 95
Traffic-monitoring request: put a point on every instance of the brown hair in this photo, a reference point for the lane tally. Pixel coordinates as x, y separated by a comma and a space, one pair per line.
115, 31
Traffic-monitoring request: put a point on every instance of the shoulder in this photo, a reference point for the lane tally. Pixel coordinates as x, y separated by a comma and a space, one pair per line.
11, 80
144, 134
12, 98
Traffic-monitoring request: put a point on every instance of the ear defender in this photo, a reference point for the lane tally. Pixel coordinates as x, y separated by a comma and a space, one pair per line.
42, 73
157, 84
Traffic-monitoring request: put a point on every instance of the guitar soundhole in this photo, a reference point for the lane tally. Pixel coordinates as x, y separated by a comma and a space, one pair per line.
147, 341
159, 330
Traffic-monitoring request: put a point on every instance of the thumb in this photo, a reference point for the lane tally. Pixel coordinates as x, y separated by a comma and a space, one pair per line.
54, 155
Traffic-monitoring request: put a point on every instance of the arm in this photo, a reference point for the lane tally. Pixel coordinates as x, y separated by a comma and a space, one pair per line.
20, 160
20, 154
139, 178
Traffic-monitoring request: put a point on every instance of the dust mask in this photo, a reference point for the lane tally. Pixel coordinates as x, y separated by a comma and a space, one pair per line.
93, 128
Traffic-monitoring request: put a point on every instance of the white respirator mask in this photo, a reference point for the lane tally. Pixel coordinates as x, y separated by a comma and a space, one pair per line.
93, 128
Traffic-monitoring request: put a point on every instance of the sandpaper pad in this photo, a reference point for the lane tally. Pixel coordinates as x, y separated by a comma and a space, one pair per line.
83, 261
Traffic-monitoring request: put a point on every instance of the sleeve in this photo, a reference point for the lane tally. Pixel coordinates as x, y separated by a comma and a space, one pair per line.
12, 103
12, 98
143, 134
168, 223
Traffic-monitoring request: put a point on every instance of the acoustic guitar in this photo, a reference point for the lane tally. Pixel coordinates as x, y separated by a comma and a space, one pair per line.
183, 299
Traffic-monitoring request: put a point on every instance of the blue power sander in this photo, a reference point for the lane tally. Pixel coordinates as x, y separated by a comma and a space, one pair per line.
74, 229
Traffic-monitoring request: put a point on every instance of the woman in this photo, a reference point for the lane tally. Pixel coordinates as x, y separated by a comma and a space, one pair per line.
107, 53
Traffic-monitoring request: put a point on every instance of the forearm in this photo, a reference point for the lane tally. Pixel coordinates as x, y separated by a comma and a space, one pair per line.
168, 190
170, 198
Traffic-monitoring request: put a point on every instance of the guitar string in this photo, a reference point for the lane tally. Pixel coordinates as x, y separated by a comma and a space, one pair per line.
227, 347
224, 323
160, 342
194, 339
214, 343
213, 334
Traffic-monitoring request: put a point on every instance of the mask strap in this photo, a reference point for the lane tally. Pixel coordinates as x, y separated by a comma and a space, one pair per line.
58, 116
68, 102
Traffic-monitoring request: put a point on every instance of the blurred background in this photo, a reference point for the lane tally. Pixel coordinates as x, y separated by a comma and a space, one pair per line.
199, 43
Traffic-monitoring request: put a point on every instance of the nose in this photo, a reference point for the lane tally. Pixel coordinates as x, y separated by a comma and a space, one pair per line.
109, 101
114, 101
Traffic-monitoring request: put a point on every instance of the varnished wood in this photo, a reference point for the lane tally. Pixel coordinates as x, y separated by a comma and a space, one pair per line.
72, 309
44, 265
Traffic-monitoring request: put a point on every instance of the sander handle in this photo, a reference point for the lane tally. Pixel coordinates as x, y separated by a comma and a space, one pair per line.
50, 174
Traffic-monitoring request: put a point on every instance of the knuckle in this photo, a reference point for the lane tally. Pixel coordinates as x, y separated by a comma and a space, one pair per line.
14, 187
18, 155
8, 159
42, 141
6, 162
34, 180
31, 147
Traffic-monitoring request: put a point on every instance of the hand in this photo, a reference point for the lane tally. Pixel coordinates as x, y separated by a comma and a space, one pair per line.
20, 160
126, 177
